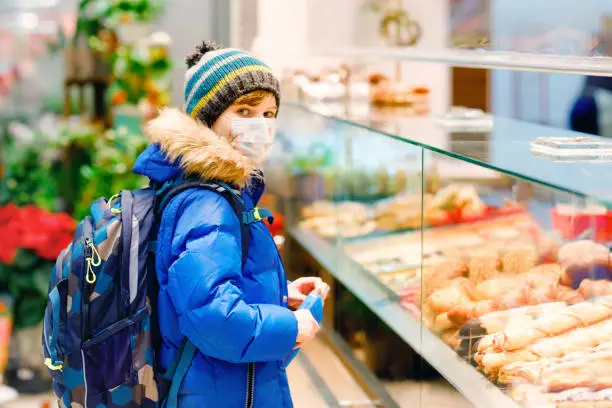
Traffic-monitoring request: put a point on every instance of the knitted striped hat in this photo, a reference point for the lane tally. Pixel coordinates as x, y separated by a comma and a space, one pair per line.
218, 76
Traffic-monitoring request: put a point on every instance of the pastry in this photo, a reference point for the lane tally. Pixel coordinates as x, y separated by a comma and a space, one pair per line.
584, 260
483, 267
519, 258
443, 274
481, 331
450, 296
587, 368
578, 315
460, 314
575, 340
496, 288
442, 324
450, 337
591, 288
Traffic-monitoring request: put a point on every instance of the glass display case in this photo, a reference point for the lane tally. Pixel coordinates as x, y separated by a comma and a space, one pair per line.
488, 256
482, 242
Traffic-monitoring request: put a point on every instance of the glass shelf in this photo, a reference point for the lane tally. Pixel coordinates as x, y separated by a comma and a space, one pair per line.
504, 148
584, 65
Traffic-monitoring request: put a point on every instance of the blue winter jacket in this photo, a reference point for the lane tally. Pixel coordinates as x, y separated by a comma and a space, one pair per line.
234, 317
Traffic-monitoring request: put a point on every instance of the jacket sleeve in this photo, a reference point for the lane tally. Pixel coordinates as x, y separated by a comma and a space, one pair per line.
204, 287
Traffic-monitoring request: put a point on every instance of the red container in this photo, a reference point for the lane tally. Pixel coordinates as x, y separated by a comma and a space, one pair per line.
571, 226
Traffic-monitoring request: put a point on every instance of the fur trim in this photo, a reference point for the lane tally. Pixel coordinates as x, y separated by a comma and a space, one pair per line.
199, 150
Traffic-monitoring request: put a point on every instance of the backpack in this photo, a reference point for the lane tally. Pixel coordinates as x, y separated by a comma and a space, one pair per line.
100, 329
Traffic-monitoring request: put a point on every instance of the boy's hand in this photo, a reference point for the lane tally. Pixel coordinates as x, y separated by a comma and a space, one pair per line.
300, 288
307, 327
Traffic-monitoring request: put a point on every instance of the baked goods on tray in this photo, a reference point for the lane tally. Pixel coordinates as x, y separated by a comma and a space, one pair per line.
588, 368
571, 317
345, 219
532, 396
581, 338
472, 333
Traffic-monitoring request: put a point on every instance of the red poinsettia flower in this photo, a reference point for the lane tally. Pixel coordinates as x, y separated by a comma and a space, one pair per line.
9, 245
34, 229
55, 247
8, 212
7, 254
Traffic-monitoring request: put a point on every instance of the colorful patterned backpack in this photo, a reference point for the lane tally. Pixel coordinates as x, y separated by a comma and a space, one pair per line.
100, 328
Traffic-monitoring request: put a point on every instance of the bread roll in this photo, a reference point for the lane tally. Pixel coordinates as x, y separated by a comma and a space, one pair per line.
584, 260
519, 259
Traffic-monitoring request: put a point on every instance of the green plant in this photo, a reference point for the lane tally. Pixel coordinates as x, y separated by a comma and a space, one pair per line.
95, 14
42, 163
110, 170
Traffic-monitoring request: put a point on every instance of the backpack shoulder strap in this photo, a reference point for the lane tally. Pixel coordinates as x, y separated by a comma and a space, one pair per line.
232, 196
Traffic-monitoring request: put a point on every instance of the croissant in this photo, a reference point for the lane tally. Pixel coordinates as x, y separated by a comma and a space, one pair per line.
543, 274
516, 298
446, 298
496, 288
462, 313
450, 337
428, 316
442, 323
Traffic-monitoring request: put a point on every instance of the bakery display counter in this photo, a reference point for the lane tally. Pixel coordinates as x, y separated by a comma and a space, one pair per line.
377, 297
502, 283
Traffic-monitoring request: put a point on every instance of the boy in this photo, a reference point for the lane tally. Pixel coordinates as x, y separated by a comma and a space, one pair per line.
240, 320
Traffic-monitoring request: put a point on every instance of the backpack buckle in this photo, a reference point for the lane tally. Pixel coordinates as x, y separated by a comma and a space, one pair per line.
257, 214
54, 366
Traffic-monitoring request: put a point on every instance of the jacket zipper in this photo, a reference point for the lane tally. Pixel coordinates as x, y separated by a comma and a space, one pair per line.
250, 395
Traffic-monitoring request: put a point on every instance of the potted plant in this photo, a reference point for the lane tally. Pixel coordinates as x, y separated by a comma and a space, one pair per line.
31, 238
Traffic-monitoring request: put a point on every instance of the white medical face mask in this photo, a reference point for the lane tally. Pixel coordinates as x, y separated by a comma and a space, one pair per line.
255, 136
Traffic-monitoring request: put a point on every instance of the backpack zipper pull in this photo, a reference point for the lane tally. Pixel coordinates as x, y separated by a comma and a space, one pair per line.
93, 260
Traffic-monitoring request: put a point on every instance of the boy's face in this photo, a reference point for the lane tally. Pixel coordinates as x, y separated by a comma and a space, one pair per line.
254, 105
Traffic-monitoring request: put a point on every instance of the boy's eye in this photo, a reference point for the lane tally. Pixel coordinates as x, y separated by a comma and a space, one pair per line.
244, 112
270, 114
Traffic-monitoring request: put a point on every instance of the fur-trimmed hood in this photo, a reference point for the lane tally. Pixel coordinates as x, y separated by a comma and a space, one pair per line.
180, 144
